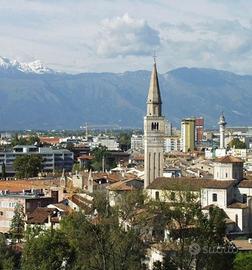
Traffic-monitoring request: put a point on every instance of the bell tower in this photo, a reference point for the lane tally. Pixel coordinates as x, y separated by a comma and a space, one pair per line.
154, 129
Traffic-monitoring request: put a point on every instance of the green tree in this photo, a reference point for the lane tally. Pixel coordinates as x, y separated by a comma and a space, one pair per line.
236, 143
18, 140
17, 223
243, 261
27, 165
76, 168
6, 255
189, 226
101, 157
101, 244
124, 141
33, 140
50, 250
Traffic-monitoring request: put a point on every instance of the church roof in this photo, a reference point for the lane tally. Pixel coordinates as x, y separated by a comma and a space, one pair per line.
229, 159
154, 95
188, 184
128, 185
245, 184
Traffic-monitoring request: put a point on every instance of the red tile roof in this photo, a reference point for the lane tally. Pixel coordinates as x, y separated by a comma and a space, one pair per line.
50, 140
229, 159
190, 184
245, 184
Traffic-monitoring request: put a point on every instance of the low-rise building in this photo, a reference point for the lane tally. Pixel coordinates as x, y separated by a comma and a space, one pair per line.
29, 202
52, 159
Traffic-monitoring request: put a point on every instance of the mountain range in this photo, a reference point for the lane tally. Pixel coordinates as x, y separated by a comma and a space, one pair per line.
36, 97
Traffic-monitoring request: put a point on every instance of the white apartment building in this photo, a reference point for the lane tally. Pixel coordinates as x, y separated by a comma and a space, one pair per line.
137, 142
172, 143
109, 141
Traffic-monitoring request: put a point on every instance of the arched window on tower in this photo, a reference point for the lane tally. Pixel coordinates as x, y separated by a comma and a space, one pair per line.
154, 126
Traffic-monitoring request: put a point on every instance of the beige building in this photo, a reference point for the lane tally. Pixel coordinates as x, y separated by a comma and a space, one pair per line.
188, 134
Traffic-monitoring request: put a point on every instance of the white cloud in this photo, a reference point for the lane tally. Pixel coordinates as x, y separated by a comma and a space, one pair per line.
123, 36
69, 36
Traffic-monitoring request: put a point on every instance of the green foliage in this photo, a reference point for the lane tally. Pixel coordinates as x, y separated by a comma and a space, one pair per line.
237, 144
16, 140
129, 202
124, 141
33, 140
101, 153
243, 261
6, 255
76, 168
27, 165
17, 223
101, 203
70, 146
102, 244
50, 250
188, 225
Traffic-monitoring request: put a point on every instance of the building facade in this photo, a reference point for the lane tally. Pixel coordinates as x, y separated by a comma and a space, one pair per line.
52, 159
188, 134
199, 130
154, 129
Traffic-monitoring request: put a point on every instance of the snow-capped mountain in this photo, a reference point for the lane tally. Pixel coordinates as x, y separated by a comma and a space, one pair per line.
31, 67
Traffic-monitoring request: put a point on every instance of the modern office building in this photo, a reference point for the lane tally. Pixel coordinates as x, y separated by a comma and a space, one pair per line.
188, 134
52, 159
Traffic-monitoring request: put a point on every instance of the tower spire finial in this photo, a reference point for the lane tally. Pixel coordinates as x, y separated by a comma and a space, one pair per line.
154, 56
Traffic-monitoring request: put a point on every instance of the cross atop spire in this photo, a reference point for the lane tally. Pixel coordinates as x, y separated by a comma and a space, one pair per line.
154, 56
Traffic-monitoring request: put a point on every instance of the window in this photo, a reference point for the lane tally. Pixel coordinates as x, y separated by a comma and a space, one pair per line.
154, 126
214, 197
226, 175
157, 195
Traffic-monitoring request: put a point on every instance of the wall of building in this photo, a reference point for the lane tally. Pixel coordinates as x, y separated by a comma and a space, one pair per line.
188, 134
223, 171
207, 197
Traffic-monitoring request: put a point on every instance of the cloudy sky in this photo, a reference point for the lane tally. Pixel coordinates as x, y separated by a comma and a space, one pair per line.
118, 35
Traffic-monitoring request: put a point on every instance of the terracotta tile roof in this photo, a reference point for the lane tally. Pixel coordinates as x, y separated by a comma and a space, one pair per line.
82, 203
229, 159
138, 158
190, 184
20, 185
243, 245
238, 205
62, 207
50, 140
85, 157
245, 184
39, 215
128, 185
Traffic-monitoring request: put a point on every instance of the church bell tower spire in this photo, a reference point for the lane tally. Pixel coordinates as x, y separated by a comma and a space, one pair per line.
154, 126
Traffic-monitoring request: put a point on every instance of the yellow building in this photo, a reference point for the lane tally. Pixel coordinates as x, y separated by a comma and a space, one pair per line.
188, 134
